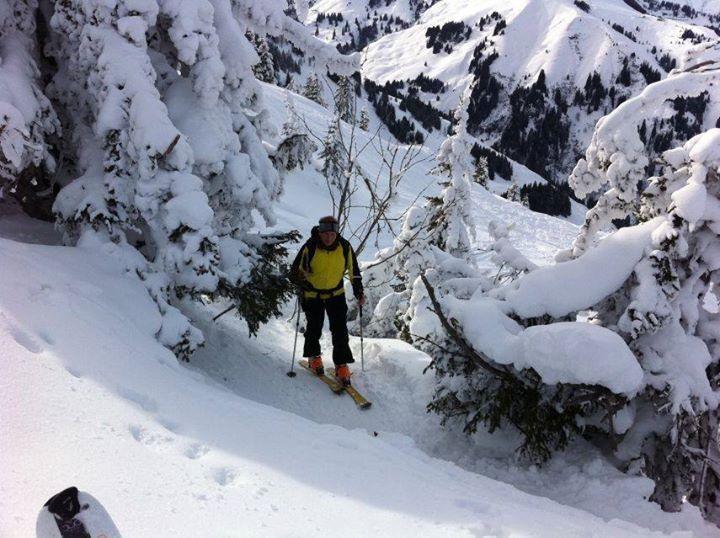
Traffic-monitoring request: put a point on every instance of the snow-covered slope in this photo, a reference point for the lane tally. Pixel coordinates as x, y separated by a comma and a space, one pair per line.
702, 12
88, 397
592, 55
556, 36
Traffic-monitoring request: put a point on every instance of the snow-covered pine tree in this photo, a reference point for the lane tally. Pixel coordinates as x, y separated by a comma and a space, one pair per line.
439, 230
27, 118
388, 279
345, 100
661, 312
481, 175
533, 362
334, 159
162, 118
264, 69
512, 193
296, 148
313, 90
621, 151
452, 220
364, 122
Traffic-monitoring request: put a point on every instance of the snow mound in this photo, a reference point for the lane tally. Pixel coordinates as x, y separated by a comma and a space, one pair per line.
565, 352
580, 353
578, 284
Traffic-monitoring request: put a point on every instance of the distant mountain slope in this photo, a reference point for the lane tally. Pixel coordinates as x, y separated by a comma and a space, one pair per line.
588, 57
702, 12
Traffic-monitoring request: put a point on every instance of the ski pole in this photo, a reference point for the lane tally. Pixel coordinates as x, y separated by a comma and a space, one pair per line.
224, 312
362, 354
292, 373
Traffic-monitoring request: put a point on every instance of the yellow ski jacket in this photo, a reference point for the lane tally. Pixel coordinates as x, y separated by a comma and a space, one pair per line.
320, 271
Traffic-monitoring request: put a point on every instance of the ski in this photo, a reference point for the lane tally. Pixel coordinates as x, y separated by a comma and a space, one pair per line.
358, 398
336, 387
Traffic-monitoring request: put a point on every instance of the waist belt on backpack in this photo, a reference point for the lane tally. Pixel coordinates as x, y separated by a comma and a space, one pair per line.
313, 293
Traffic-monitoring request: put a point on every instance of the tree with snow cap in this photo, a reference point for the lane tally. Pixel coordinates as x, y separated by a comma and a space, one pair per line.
654, 392
452, 225
313, 90
28, 121
440, 229
163, 120
264, 69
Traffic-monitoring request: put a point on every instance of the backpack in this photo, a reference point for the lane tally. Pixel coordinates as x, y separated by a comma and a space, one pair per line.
312, 243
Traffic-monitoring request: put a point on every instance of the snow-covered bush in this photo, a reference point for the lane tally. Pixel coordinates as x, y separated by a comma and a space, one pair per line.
161, 151
621, 341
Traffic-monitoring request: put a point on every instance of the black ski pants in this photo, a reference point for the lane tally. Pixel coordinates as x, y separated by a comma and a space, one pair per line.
336, 309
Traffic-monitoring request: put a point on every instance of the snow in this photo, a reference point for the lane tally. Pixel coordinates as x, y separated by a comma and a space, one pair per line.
555, 36
580, 283
156, 443
159, 442
564, 352
570, 352
230, 445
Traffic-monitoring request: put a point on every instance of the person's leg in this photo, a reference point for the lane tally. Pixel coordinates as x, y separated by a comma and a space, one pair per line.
315, 315
337, 315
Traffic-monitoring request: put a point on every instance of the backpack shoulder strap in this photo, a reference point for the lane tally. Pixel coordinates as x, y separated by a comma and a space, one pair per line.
311, 246
346, 248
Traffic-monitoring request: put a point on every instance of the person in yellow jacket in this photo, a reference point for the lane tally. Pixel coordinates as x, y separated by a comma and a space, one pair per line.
319, 269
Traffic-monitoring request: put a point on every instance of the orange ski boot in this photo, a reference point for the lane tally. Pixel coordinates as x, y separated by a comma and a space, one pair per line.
316, 365
342, 373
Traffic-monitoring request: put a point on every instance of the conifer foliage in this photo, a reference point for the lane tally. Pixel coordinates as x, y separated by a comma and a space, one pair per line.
162, 157
28, 121
313, 90
651, 292
438, 231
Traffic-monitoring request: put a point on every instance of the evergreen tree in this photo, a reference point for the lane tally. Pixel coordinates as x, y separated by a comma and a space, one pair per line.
513, 193
28, 122
388, 281
313, 90
344, 101
452, 222
481, 174
264, 69
334, 156
140, 177
296, 149
433, 234
655, 400
364, 119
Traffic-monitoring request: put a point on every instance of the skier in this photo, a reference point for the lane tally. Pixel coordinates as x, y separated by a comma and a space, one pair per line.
319, 270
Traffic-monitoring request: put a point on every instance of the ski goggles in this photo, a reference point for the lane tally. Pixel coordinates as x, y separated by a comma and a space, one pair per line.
328, 227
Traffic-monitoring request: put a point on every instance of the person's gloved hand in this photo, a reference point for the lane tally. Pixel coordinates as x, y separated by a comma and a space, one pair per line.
361, 299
